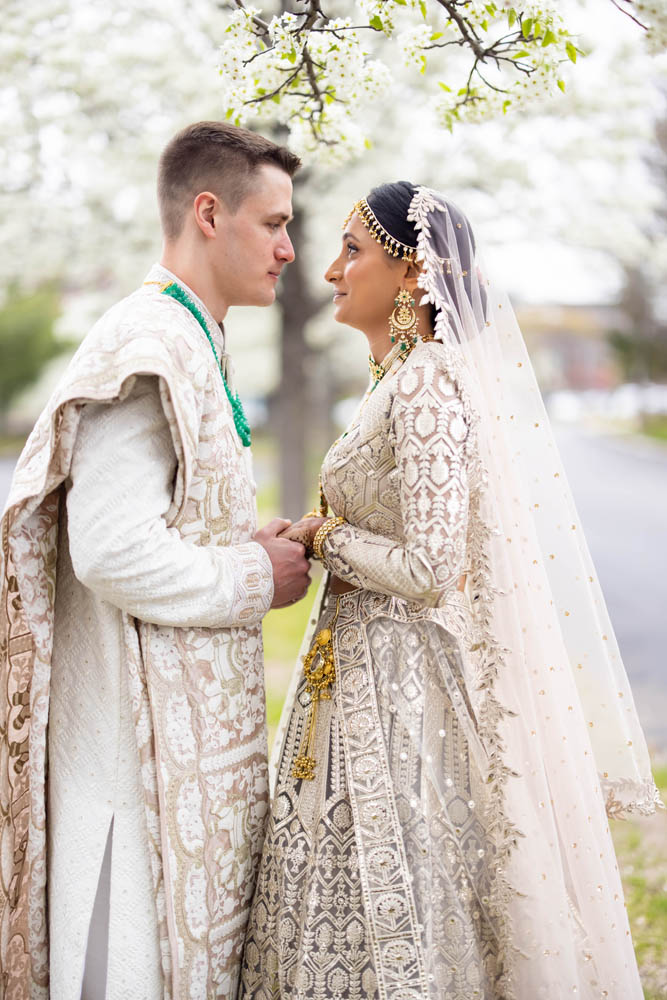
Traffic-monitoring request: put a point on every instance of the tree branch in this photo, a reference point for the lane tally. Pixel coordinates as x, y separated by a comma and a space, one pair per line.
628, 14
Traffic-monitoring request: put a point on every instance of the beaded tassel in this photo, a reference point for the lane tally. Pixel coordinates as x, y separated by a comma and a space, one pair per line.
175, 291
320, 677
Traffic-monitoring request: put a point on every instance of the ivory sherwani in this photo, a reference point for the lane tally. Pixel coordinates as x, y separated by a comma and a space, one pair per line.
132, 602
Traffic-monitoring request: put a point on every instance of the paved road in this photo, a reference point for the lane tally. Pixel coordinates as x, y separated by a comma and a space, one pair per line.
620, 488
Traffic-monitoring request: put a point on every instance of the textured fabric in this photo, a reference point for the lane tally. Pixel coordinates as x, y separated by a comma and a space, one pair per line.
481, 854
536, 582
194, 681
412, 531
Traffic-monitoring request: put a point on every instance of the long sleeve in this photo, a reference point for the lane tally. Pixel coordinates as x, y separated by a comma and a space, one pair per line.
427, 432
121, 488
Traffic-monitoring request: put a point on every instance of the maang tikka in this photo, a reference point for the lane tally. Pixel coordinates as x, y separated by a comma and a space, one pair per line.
403, 322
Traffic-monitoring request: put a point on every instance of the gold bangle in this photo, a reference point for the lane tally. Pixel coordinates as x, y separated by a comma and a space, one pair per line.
322, 532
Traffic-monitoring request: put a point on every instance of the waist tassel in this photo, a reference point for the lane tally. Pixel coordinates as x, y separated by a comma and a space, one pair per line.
319, 668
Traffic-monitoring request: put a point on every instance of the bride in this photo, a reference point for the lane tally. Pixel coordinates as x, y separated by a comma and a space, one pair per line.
461, 723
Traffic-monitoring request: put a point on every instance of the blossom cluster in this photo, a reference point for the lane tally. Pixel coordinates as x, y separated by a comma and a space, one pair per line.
533, 70
654, 16
306, 80
315, 75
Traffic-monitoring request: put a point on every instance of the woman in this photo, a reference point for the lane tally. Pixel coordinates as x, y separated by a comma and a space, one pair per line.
462, 715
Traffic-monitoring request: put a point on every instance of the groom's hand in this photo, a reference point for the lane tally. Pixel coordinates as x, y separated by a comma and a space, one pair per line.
291, 569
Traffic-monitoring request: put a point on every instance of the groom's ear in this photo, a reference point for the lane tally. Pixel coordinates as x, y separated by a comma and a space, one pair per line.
206, 208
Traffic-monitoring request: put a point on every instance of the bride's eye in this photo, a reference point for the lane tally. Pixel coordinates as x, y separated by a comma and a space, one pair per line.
351, 248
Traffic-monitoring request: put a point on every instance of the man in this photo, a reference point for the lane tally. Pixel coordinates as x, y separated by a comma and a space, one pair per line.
133, 772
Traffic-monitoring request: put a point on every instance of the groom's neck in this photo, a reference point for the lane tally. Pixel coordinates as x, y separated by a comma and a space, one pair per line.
195, 271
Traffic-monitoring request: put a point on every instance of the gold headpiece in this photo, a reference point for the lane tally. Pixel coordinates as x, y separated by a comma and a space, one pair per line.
393, 246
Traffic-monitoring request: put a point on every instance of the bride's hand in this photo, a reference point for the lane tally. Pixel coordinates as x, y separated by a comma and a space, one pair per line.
304, 531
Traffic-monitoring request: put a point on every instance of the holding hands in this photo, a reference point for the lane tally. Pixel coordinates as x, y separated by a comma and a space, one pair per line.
304, 531
291, 569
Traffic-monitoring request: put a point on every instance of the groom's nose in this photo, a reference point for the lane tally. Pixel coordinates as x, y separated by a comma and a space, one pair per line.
285, 250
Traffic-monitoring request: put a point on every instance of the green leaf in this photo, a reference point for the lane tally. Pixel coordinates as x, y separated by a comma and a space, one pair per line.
444, 86
230, 112
511, 17
422, 60
484, 24
506, 105
571, 52
376, 22
401, 3
436, 35
328, 98
561, 84
422, 7
368, 144
526, 27
549, 38
491, 9
276, 98
291, 56
523, 54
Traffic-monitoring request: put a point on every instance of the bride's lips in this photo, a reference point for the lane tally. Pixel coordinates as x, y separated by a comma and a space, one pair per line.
338, 295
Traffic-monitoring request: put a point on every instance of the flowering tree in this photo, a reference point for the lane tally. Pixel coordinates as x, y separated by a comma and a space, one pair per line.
87, 123
316, 73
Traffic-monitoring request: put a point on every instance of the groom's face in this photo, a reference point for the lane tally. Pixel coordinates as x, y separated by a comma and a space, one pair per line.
254, 245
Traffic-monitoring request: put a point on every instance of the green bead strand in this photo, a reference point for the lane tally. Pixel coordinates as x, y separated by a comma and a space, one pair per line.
175, 291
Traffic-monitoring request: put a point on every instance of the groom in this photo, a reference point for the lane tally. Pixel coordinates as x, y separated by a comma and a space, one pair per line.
133, 783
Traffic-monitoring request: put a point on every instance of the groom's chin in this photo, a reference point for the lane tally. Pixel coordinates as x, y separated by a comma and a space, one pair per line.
260, 297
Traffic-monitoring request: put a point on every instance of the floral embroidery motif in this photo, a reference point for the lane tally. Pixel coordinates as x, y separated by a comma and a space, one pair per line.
206, 787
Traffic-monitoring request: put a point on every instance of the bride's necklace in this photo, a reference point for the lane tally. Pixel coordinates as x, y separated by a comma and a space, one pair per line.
379, 369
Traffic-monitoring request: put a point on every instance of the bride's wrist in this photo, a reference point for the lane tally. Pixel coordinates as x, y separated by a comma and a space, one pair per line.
322, 534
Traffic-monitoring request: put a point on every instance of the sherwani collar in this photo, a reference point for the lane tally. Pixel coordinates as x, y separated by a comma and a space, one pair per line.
161, 275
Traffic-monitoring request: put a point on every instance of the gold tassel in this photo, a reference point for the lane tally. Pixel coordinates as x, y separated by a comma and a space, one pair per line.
319, 667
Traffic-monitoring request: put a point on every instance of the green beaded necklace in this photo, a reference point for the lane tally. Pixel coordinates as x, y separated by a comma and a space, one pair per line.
240, 420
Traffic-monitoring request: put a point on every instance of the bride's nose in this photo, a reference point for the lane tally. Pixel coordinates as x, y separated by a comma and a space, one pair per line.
332, 273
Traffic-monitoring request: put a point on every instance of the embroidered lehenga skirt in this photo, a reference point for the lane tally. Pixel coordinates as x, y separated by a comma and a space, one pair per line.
378, 877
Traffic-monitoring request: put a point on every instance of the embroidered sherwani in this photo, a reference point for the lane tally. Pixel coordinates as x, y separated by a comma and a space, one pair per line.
133, 688
398, 873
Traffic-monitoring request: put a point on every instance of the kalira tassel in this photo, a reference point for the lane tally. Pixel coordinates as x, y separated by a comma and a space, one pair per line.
319, 667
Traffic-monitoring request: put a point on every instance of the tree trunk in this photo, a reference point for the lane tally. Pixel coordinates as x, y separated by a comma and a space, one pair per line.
292, 410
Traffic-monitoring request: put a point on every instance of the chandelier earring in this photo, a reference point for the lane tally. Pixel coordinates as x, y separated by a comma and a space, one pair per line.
403, 322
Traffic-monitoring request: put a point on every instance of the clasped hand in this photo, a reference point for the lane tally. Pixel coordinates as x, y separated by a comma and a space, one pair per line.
289, 546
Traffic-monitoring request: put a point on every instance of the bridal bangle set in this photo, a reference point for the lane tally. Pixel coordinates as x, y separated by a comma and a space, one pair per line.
322, 533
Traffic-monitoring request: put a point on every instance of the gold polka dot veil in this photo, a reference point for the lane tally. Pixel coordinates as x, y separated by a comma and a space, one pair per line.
555, 654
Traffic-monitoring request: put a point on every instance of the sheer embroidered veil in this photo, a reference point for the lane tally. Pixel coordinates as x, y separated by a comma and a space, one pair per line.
543, 603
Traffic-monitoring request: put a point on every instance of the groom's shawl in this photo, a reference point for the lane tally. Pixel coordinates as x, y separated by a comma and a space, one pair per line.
197, 694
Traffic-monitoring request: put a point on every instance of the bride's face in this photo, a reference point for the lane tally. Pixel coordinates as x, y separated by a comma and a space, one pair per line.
365, 279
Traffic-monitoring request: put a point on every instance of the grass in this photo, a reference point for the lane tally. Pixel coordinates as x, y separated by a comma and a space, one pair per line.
11, 445
284, 629
641, 848
655, 427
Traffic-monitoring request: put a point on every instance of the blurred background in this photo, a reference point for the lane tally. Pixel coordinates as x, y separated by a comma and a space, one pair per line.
569, 202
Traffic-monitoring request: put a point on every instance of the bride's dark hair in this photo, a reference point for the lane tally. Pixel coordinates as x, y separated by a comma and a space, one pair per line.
390, 204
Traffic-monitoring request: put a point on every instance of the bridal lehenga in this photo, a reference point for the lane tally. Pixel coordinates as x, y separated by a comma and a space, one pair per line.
453, 841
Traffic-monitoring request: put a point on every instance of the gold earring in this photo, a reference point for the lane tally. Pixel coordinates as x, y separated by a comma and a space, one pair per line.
403, 322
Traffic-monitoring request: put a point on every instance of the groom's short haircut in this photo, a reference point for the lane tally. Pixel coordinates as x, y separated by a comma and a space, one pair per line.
216, 157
